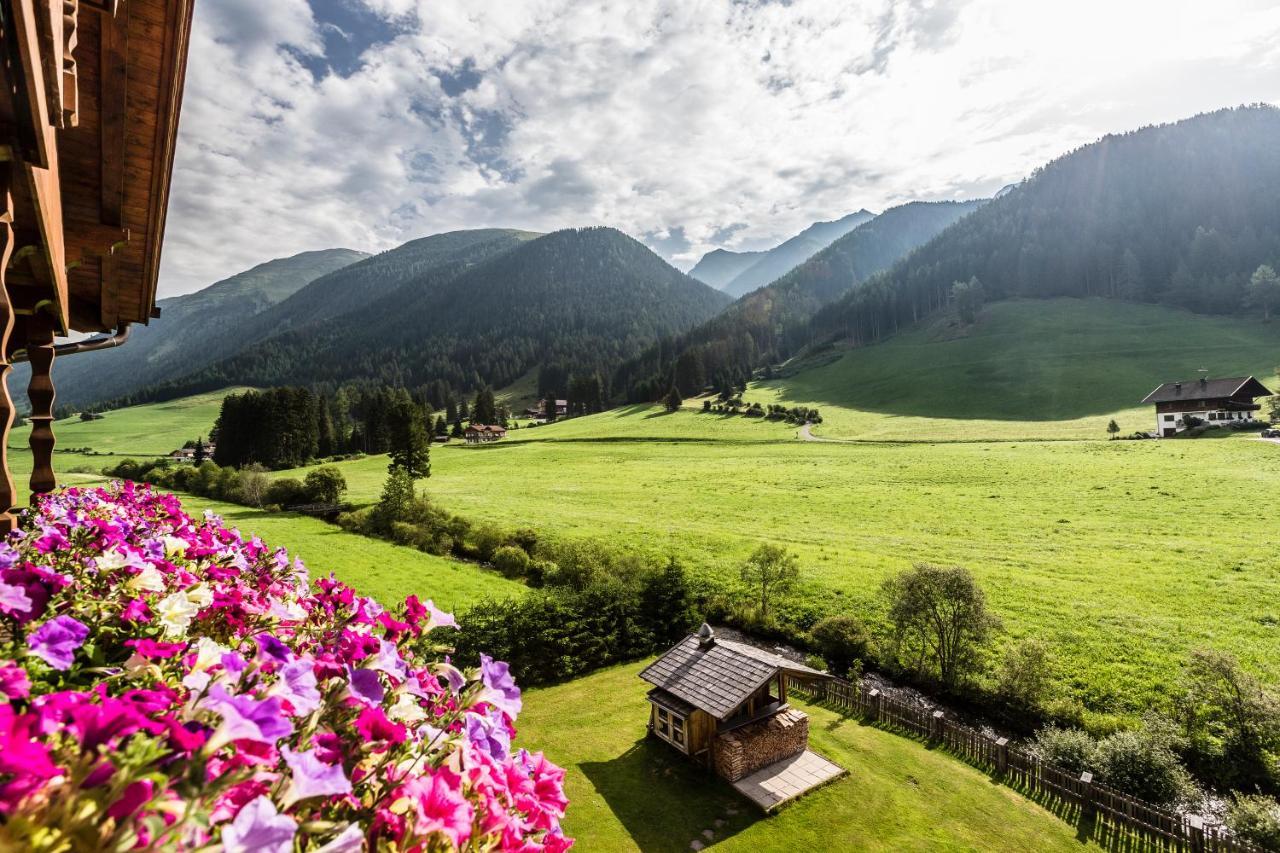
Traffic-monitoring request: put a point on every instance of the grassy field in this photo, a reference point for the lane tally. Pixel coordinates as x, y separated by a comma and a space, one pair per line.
1123, 555
631, 793
385, 571
1056, 368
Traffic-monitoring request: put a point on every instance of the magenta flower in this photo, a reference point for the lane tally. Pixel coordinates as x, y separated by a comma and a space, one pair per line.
55, 642
246, 718
259, 828
440, 807
313, 777
154, 649
14, 682
500, 688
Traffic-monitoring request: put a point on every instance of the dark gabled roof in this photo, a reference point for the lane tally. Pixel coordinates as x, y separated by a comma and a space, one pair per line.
719, 677
1204, 389
658, 696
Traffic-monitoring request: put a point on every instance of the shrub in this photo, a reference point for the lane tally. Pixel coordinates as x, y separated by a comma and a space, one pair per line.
511, 560
841, 640
1072, 750
285, 491
1025, 675
485, 542
1142, 763
325, 485
1256, 819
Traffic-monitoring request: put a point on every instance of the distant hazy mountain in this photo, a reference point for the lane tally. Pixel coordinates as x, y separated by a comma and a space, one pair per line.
1180, 214
192, 330
582, 300
721, 266
765, 323
783, 258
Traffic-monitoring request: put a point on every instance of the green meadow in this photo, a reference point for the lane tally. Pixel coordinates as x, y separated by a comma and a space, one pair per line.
1123, 555
628, 792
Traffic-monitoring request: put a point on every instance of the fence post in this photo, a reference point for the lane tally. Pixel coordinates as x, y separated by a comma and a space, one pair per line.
1197, 838
1002, 755
935, 726
1086, 794
877, 701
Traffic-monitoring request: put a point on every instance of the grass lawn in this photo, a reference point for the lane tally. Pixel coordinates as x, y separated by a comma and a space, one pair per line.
631, 793
145, 431
383, 570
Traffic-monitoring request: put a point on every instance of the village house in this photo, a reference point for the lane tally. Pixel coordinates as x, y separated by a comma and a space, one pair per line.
1211, 401
724, 704
481, 434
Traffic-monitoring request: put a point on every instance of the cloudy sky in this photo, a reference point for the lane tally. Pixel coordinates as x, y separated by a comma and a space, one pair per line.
690, 124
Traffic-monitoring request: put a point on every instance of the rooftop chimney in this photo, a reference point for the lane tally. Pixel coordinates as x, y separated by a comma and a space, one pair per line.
706, 637
1204, 380
1177, 387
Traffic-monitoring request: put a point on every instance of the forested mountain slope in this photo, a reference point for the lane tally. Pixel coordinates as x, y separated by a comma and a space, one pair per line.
581, 301
721, 266
771, 321
787, 256
1179, 214
192, 330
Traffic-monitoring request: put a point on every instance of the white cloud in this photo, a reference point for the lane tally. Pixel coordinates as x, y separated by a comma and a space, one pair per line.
681, 121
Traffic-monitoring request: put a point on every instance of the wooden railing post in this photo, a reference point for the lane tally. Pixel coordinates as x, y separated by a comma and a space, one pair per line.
877, 704
40, 392
8, 492
936, 723
1086, 794
1002, 755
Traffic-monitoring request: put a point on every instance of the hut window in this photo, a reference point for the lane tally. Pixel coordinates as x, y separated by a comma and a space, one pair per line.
664, 722
677, 730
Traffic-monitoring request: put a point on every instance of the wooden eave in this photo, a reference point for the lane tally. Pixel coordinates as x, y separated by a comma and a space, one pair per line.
91, 119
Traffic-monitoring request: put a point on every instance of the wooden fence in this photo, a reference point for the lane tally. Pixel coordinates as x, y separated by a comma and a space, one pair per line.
1127, 822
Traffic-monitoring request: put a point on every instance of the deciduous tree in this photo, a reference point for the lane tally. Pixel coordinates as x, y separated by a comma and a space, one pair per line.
770, 571
941, 625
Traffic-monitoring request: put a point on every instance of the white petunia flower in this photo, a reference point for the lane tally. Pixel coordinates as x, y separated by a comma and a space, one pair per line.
406, 710
200, 595
175, 546
147, 580
176, 612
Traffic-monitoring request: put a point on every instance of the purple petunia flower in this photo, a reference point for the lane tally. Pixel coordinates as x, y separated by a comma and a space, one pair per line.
246, 718
351, 840
56, 641
312, 777
489, 735
365, 685
14, 599
271, 647
388, 660
297, 684
259, 828
500, 688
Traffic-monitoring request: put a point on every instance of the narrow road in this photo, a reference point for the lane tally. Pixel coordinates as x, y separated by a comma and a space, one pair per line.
805, 434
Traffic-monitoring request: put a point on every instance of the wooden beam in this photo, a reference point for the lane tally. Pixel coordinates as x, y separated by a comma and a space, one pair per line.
8, 492
31, 83
113, 83
46, 192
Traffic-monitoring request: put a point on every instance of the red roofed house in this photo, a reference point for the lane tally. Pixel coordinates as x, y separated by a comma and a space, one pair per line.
480, 433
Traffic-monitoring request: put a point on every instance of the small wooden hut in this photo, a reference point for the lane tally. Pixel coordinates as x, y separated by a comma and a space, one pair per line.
724, 703
88, 124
